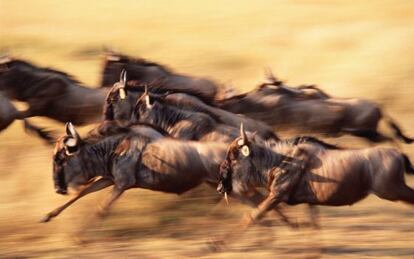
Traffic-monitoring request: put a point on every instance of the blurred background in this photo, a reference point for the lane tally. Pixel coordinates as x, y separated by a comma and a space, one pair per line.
350, 49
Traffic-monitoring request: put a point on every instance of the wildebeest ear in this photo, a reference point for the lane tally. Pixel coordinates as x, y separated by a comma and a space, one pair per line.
71, 146
71, 131
245, 150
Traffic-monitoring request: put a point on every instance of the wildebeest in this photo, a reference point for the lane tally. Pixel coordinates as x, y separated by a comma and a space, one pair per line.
186, 124
50, 93
145, 72
121, 105
134, 160
309, 109
297, 172
9, 113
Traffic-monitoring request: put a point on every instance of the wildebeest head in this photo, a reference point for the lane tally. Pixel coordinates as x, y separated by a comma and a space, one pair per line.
238, 167
138, 69
148, 107
7, 72
65, 161
120, 101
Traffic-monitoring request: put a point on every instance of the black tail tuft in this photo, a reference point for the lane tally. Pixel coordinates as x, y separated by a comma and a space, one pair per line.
408, 165
46, 135
398, 132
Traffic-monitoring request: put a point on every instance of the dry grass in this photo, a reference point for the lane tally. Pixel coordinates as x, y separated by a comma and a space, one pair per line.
361, 49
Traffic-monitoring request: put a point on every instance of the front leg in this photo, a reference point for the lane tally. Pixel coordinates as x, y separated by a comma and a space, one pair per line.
109, 201
257, 198
26, 114
269, 203
93, 187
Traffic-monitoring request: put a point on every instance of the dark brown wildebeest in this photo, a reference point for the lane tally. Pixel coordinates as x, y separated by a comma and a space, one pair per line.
186, 124
297, 172
143, 159
121, 105
145, 72
50, 93
9, 113
309, 109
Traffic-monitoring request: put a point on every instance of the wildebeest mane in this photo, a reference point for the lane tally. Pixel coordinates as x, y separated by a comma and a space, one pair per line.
113, 128
122, 58
309, 139
179, 106
159, 87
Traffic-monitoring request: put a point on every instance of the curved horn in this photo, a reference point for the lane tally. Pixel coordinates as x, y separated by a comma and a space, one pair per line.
243, 133
147, 101
122, 82
71, 131
123, 77
146, 89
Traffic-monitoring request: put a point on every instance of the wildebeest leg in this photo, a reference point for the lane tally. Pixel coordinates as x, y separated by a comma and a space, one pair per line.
398, 132
314, 215
93, 187
41, 132
26, 114
406, 194
269, 203
371, 135
255, 200
102, 212
109, 201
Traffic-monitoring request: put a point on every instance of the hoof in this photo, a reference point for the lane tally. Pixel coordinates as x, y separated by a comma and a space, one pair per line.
45, 219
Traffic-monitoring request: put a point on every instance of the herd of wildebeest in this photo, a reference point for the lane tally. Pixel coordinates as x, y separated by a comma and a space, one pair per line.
170, 132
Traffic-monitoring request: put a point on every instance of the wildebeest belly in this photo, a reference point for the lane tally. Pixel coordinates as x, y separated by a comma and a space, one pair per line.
168, 182
170, 167
342, 179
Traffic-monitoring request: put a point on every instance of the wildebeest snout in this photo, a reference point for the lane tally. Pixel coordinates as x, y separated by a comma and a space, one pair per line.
224, 185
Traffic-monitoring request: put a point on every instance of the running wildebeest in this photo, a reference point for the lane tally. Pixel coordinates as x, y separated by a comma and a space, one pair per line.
121, 105
50, 93
297, 172
145, 72
311, 110
9, 113
186, 124
135, 161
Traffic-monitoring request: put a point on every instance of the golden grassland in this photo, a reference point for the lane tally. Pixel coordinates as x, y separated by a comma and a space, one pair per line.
351, 49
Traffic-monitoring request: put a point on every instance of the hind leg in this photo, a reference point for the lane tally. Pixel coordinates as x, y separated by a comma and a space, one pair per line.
396, 192
406, 194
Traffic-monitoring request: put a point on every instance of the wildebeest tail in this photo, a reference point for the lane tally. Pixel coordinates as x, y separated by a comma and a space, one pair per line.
398, 132
409, 167
40, 132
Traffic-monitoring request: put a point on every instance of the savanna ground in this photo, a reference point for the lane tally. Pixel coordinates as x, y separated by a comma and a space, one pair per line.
351, 49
